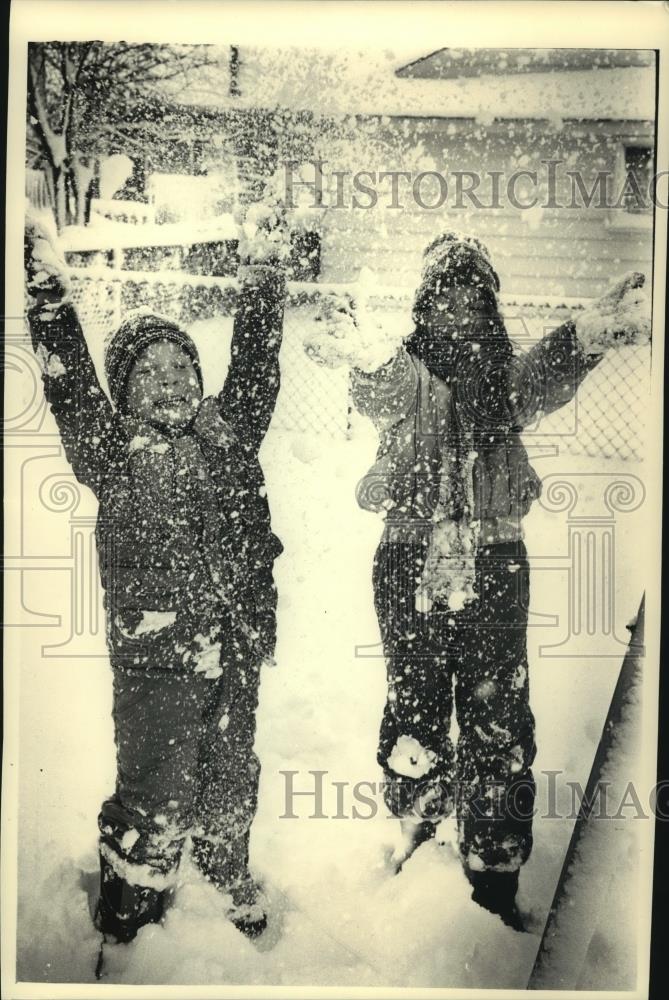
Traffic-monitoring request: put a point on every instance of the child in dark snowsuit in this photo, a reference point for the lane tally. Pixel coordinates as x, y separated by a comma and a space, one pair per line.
451, 576
186, 554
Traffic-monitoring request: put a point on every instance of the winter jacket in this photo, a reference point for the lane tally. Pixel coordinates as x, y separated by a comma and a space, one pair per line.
184, 539
411, 409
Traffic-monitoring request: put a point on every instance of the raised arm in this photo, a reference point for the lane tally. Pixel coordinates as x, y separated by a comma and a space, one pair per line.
251, 387
83, 413
249, 394
387, 394
549, 375
384, 378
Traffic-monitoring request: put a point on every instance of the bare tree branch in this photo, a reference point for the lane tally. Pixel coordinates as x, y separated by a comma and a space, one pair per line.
87, 98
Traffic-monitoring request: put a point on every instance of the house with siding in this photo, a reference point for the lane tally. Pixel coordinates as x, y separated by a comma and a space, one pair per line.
575, 128
544, 154
569, 242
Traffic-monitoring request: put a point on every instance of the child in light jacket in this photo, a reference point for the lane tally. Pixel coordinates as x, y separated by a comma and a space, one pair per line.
451, 576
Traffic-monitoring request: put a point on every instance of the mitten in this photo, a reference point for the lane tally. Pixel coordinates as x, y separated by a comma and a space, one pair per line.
47, 283
345, 333
265, 234
620, 316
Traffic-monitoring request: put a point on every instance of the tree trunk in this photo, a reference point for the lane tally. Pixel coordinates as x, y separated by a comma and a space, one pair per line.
82, 178
70, 198
60, 197
93, 191
49, 176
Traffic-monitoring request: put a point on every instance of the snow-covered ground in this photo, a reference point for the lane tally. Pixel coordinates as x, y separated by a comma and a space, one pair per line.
338, 917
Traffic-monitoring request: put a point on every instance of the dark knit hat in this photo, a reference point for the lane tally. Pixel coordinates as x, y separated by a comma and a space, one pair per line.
453, 259
134, 334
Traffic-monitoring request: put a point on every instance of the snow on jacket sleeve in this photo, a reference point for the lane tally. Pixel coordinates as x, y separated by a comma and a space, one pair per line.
83, 413
388, 394
249, 394
548, 375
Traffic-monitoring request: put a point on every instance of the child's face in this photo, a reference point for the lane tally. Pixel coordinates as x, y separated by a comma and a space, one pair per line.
163, 387
454, 308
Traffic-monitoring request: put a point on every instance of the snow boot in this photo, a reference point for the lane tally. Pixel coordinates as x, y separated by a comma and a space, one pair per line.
414, 833
496, 892
225, 865
248, 912
122, 908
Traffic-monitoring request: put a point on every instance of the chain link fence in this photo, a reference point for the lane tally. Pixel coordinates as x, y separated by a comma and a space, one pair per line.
607, 417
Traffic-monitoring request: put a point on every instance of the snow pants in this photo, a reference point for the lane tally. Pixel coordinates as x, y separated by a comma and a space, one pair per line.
475, 659
185, 766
